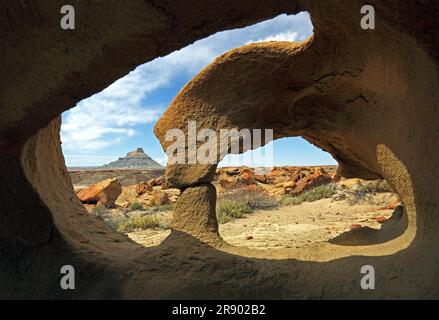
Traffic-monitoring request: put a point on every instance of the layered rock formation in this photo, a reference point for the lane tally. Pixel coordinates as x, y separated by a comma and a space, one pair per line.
137, 159
369, 97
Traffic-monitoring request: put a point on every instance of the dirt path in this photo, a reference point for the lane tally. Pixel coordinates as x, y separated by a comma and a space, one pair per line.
310, 222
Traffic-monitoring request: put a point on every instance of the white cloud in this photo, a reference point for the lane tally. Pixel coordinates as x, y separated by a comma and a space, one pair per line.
100, 122
285, 36
198, 55
162, 160
114, 112
73, 160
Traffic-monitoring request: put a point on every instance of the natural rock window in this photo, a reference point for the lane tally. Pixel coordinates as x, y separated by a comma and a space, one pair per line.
294, 206
368, 97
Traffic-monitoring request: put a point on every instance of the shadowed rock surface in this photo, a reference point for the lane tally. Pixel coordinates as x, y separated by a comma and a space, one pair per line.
367, 97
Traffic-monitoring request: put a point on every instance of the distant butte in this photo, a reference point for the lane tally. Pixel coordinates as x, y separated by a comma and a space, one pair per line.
137, 159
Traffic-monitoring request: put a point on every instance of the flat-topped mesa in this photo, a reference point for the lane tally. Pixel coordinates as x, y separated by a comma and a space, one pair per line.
137, 159
139, 153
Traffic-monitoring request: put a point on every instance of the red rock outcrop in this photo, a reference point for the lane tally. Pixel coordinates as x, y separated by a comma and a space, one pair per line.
103, 193
313, 178
228, 182
142, 188
148, 186
279, 181
159, 198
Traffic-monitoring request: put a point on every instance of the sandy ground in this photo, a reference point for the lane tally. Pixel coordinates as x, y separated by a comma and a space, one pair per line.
291, 226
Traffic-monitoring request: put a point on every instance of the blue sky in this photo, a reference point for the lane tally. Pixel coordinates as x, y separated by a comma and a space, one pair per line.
121, 118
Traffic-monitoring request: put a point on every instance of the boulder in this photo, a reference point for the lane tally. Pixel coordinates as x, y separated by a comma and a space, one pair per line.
182, 176
381, 219
247, 178
228, 182
309, 179
300, 186
260, 178
103, 193
231, 171
392, 206
157, 181
159, 198
278, 175
143, 188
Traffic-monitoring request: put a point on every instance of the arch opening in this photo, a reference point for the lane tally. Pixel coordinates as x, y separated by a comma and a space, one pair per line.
299, 201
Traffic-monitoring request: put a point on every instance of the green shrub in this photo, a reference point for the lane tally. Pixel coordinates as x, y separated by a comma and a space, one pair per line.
320, 192
114, 222
135, 206
288, 200
358, 195
311, 195
254, 199
162, 208
383, 186
257, 200
236, 204
228, 210
138, 222
364, 192
164, 225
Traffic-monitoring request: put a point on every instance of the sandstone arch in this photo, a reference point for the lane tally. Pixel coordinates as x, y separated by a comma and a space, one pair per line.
275, 85
383, 84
